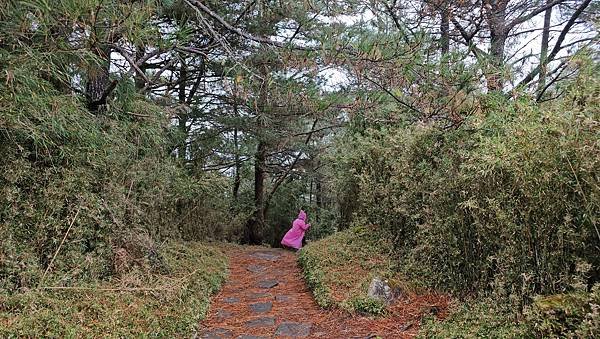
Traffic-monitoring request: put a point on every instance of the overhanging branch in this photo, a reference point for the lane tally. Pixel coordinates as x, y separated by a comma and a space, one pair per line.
243, 34
558, 46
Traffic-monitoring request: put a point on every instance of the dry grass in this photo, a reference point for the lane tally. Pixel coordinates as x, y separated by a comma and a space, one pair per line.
345, 264
340, 268
137, 304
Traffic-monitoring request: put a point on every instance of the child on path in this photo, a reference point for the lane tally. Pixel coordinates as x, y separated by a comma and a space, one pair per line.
293, 237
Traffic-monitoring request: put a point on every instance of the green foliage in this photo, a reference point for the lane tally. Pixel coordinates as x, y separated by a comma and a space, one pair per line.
338, 269
366, 305
169, 305
59, 160
314, 277
503, 207
69, 174
568, 315
326, 224
509, 200
485, 318
572, 315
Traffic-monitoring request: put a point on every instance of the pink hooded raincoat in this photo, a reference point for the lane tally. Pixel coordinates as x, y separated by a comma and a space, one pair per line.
293, 238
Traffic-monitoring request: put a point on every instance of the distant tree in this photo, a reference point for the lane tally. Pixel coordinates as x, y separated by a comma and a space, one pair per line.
260, 104
496, 32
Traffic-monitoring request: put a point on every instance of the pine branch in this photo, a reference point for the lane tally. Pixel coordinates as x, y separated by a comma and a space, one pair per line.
248, 36
280, 180
131, 62
398, 100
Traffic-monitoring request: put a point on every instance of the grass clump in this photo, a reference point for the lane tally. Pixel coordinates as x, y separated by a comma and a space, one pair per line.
570, 315
339, 268
366, 305
477, 319
138, 304
567, 315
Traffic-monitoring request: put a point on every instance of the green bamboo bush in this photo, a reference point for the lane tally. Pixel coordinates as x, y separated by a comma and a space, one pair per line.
506, 202
75, 183
96, 177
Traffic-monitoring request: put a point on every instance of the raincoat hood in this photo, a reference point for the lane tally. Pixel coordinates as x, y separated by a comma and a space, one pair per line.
302, 215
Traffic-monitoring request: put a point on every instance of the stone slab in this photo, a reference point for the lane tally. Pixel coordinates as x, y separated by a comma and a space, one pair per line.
224, 314
270, 283
256, 268
294, 330
261, 307
261, 322
231, 300
259, 295
266, 255
283, 298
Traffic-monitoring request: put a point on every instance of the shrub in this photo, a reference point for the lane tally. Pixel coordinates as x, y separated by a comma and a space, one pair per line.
566, 315
338, 269
366, 305
506, 201
485, 318
149, 305
571, 315
88, 180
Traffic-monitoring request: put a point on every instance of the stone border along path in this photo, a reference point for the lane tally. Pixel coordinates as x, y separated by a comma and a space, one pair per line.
266, 297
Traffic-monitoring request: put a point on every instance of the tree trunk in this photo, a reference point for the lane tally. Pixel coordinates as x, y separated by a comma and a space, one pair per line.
140, 83
445, 39
182, 116
97, 87
445, 30
237, 179
319, 197
182, 127
544, 49
257, 222
498, 36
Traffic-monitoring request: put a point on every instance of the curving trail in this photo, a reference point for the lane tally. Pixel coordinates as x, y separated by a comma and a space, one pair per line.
266, 297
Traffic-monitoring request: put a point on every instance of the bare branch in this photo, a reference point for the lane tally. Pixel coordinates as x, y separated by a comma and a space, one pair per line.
131, 62
477, 52
557, 46
400, 101
241, 33
533, 13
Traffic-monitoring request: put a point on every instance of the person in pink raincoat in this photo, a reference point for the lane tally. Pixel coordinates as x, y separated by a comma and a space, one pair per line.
293, 237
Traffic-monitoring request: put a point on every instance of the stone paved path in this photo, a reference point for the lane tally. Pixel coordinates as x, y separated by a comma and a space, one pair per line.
266, 297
